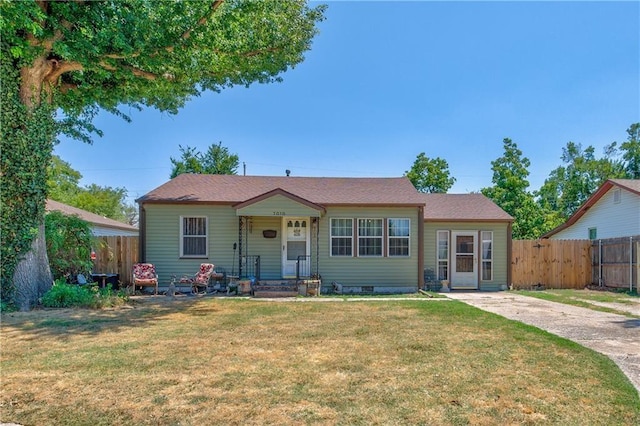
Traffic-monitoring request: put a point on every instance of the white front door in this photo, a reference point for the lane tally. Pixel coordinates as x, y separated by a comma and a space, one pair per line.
295, 242
464, 273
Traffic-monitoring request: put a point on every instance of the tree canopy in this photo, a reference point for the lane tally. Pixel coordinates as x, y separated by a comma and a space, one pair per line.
510, 192
63, 185
216, 161
63, 61
430, 175
569, 186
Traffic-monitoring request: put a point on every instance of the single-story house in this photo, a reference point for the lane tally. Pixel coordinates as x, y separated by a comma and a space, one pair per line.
100, 226
612, 211
367, 234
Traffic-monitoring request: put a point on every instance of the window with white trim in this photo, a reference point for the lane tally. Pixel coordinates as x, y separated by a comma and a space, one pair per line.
370, 237
341, 237
442, 255
617, 196
193, 236
487, 255
399, 232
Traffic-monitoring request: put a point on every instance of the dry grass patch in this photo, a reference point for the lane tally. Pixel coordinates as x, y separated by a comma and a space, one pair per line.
217, 361
604, 301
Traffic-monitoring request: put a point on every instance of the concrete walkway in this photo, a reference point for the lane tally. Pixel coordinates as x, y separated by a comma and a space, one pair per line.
615, 336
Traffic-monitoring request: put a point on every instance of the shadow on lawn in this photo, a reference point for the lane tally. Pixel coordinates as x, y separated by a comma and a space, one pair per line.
68, 322
629, 323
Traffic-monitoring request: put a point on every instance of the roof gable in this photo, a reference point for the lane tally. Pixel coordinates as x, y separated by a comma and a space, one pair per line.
278, 203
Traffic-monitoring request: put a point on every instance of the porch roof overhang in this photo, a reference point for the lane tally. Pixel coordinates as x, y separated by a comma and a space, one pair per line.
278, 202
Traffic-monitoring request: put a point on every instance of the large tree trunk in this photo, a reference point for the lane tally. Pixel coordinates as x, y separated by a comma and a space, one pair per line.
32, 276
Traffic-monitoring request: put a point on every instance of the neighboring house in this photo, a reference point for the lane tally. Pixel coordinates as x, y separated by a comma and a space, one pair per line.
100, 226
367, 234
612, 211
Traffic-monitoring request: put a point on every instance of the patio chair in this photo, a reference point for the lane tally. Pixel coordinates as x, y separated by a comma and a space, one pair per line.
200, 280
144, 275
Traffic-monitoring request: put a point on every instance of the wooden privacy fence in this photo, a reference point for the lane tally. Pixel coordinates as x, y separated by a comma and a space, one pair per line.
551, 263
116, 255
616, 262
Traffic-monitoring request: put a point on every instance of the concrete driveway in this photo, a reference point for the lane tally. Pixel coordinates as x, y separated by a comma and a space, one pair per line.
615, 336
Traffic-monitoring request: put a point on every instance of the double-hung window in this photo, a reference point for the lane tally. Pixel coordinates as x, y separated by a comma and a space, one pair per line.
370, 237
193, 236
398, 237
341, 237
442, 248
487, 255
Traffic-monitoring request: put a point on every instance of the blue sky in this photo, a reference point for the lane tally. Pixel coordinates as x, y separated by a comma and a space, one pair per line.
385, 81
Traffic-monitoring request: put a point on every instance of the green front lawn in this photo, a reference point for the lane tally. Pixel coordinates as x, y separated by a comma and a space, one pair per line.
196, 361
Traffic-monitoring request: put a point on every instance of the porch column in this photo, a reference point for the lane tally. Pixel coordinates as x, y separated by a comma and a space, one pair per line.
240, 226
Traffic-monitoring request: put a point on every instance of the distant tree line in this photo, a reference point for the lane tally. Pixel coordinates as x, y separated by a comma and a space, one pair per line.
535, 212
562, 193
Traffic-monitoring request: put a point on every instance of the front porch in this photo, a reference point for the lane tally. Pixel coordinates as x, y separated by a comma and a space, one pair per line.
306, 282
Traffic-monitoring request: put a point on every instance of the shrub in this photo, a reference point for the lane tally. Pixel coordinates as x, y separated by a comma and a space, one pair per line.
63, 295
69, 241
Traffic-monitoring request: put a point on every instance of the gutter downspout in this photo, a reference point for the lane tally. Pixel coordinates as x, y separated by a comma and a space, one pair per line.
142, 232
630, 264
509, 254
420, 247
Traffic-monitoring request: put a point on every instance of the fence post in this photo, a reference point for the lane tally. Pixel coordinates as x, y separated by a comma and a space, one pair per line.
630, 264
599, 263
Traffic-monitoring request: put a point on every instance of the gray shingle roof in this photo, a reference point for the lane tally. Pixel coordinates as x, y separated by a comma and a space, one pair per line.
462, 207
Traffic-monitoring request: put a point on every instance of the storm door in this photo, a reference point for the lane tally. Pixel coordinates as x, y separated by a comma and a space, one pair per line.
295, 243
464, 271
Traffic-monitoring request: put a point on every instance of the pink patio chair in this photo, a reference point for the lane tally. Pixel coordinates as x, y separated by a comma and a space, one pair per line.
200, 279
144, 275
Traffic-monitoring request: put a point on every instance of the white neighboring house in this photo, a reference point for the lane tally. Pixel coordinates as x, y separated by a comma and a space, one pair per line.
612, 211
101, 226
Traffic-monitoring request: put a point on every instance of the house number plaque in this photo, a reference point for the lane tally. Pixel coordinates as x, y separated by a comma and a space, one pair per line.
279, 213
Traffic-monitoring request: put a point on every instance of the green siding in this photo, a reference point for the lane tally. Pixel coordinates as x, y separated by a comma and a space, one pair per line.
500, 246
163, 238
269, 249
388, 272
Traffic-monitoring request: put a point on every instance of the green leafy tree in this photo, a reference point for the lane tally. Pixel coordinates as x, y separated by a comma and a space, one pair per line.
63, 182
430, 175
510, 192
216, 161
63, 185
631, 152
68, 60
569, 186
69, 241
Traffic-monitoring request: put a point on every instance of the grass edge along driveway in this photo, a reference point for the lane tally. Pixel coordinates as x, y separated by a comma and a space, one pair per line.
213, 361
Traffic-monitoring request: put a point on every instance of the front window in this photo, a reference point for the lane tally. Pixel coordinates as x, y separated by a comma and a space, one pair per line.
399, 230
443, 255
487, 255
193, 237
341, 237
370, 237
